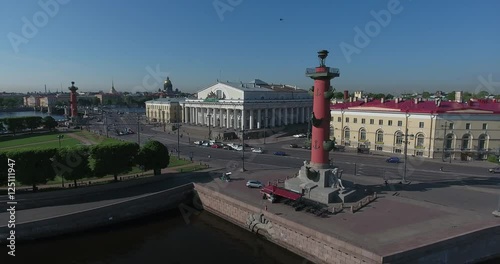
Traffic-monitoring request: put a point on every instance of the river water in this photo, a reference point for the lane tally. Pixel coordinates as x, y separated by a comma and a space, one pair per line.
164, 238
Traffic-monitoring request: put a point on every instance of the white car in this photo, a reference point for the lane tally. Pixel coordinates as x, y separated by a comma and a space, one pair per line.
257, 150
254, 184
299, 135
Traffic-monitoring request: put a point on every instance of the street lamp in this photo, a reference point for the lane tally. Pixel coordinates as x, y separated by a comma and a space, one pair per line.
62, 176
342, 127
406, 146
265, 128
243, 150
445, 138
178, 134
209, 131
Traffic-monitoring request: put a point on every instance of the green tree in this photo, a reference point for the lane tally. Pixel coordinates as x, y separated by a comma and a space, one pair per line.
32, 122
450, 96
15, 124
389, 96
482, 95
466, 96
339, 95
4, 169
2, 126
96, 101
153, 156
72, 163
113, 158
426, 95
34, 166
49, 123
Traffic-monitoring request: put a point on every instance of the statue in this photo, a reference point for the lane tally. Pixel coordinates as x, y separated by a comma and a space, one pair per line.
336, 178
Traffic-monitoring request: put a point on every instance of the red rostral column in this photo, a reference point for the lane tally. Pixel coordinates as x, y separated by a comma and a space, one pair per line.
320, 141
72, 100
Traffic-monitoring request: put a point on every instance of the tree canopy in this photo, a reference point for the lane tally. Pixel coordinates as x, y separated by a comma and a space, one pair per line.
49, 123
113, 158
72, 163
34, 166
154, 156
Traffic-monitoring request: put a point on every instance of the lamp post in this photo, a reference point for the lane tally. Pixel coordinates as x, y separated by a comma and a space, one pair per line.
342, 127
59, 138
243, 150
444, 140
209, 131
406, 146
265, 128
178, 134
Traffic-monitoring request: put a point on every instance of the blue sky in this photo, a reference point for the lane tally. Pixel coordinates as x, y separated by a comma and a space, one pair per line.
427, 45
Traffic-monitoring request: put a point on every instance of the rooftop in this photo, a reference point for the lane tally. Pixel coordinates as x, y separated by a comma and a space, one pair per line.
258, 85
421, 106
165, 100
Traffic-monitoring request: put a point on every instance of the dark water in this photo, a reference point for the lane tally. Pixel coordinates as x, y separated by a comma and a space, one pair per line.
164, 238
29, 113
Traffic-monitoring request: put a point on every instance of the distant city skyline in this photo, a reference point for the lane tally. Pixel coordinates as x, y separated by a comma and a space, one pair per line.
380, 47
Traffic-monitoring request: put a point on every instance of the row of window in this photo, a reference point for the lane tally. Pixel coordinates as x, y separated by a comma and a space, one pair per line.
379, 137
468, 126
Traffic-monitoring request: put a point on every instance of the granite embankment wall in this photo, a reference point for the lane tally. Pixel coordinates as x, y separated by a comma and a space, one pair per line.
311, 244
128, 209
321, 248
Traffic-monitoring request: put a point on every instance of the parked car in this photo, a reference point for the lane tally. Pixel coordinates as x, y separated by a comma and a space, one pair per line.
392, 160
257, 150
216, 146
279, 153
254, 184
299, 135
294, 146
494, 170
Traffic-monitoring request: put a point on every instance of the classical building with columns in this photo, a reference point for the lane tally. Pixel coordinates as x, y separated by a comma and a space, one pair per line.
164, 110
248, 106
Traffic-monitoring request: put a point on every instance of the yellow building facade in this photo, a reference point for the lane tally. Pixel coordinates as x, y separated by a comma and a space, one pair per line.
431, 129
164, 110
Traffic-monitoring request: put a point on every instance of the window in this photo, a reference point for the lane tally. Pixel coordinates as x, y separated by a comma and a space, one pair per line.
397, 150
451, 126
389, 123
400, 123
347, 119
362, 134
399, 138
467, 126
419, 153
339, 119
421, 124
362, 120
372, 121
482, 142
380, 136
355, 120
466, 140
347, 133
381, 122
420, 141
485, 126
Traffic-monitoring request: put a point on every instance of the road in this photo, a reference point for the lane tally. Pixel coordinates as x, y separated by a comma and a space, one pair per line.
418, 169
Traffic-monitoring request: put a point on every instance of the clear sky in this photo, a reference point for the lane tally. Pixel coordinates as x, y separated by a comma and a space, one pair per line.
426, 45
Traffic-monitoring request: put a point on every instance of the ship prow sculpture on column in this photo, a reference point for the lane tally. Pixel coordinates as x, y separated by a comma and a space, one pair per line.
318, 179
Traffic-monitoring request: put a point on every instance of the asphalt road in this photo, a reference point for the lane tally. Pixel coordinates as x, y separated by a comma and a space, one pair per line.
418, 169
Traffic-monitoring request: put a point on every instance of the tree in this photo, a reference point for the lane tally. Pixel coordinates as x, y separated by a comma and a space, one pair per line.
481, 95
2, 126
389, 96
49, 123
153, 156
426, 95
14, 124
338, 95
122, 156
72, 163
32, 122
34, 166
450, 96
4, 169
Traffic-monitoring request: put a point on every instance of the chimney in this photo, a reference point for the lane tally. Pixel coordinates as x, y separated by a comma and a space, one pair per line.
415, 100
396, 100
346, 94
350, 99
366, 100
382, 100
458, 96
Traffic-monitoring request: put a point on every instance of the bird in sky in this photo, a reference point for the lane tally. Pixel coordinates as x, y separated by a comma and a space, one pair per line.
281, 19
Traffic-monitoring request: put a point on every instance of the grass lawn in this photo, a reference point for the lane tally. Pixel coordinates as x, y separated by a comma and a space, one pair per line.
96, 138
174, 162
194, 167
